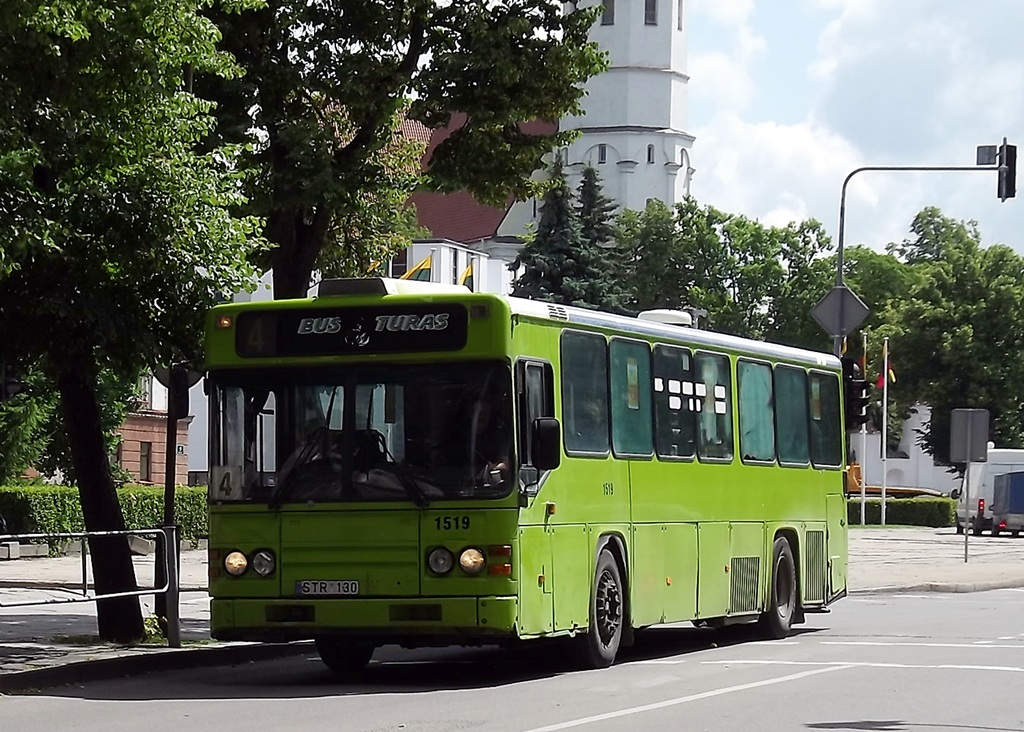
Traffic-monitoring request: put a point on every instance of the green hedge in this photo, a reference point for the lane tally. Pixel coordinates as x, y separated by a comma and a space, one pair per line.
46, 509
937, 512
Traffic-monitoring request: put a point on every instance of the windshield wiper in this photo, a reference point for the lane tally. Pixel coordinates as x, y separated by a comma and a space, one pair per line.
409, 484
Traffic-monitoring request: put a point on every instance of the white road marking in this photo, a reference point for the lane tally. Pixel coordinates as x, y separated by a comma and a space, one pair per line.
657, 662
982, 643
683, 700
1018, 646
859, 664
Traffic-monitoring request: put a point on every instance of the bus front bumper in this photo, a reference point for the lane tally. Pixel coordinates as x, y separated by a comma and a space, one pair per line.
421, 621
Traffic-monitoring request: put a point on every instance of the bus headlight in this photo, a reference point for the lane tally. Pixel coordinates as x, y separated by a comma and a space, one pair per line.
440, 560
235, 563
472, 561
263, 562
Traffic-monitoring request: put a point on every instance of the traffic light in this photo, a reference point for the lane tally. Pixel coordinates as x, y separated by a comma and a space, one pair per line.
855, 393
1007, 171
10, 384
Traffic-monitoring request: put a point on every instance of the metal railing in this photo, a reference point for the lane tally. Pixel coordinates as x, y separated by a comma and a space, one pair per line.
167, 543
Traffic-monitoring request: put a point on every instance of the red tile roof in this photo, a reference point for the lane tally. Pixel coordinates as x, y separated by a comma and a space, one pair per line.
458, 216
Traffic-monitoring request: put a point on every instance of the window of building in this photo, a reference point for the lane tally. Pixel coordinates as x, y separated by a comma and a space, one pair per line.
713, 401
674, 403
826, 421
146, 462
456, 270
755, 402
585, 393
680, 11
608, 15
650, 12
650, 153
602, 153
632, 432
146, 392
791, 415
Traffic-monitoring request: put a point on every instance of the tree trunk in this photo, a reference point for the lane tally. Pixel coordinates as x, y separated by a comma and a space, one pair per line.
120, 619
298, 244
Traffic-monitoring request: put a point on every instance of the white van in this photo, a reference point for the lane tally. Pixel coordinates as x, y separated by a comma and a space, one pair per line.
982, 476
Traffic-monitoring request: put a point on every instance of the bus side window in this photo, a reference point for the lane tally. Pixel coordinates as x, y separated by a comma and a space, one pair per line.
791, 415
674, 403
584, 367
714, 406
756, 405
631, 397
826, 421
535, 399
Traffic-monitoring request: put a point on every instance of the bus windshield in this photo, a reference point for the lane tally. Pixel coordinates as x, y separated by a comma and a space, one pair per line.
362, 433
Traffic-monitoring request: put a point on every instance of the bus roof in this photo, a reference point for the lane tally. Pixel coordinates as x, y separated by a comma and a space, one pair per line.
654, 329
537, 310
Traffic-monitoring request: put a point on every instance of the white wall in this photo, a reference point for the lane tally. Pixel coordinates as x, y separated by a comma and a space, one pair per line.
917, 470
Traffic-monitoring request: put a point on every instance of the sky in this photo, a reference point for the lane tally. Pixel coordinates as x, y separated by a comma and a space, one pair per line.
787, 97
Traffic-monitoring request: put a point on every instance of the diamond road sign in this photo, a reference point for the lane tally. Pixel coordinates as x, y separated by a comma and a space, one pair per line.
840, 311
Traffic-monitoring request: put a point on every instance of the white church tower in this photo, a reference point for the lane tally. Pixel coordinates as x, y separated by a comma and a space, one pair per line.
634, 131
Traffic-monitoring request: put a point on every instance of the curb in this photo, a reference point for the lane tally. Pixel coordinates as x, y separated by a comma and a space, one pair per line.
172, 659
950, 587
77, 588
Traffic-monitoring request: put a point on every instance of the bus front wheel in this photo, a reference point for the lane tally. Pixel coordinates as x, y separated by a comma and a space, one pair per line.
778, 617
600, 644
346, 658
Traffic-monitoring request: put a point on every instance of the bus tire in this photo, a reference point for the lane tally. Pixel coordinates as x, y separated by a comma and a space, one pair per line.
600, 644
346, 658
777, 619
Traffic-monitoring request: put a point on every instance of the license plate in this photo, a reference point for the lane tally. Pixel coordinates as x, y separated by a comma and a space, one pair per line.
327, 587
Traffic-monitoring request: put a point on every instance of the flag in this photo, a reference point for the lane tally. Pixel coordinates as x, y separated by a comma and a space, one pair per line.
882, 378
421, 271
467, 276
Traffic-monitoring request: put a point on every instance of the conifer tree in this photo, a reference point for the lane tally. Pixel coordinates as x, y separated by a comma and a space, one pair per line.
606, 259
553, 260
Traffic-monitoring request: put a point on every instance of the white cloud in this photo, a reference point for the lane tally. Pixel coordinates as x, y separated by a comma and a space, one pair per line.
915, 82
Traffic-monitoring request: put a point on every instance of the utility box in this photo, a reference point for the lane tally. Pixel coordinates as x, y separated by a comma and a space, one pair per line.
1008, 503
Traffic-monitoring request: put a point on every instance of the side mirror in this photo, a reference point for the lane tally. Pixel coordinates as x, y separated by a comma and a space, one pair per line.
955, 494
546, 446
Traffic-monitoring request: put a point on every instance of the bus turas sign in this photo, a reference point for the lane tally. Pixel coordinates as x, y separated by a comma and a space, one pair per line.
335, 331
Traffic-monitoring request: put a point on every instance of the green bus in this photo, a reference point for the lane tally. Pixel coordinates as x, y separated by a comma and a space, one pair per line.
413, 463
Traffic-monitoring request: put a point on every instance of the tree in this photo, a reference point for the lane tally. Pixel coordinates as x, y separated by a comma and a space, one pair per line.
553, 261
956, 336
656, 277
608, 259
329, 85
117, 234
809, 273
596, 211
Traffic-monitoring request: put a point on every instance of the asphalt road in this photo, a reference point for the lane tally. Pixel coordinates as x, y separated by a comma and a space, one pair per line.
878, 662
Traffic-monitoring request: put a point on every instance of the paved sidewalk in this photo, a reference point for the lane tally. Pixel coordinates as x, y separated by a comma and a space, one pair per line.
56, 644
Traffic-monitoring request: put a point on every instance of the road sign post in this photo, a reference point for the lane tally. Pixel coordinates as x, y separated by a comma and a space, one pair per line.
968, 443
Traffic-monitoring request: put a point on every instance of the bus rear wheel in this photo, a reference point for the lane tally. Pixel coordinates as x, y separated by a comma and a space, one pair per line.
600, 644
346, 658
777, 619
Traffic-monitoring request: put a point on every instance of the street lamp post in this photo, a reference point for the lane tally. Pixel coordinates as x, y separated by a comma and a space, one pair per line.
1001, 167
